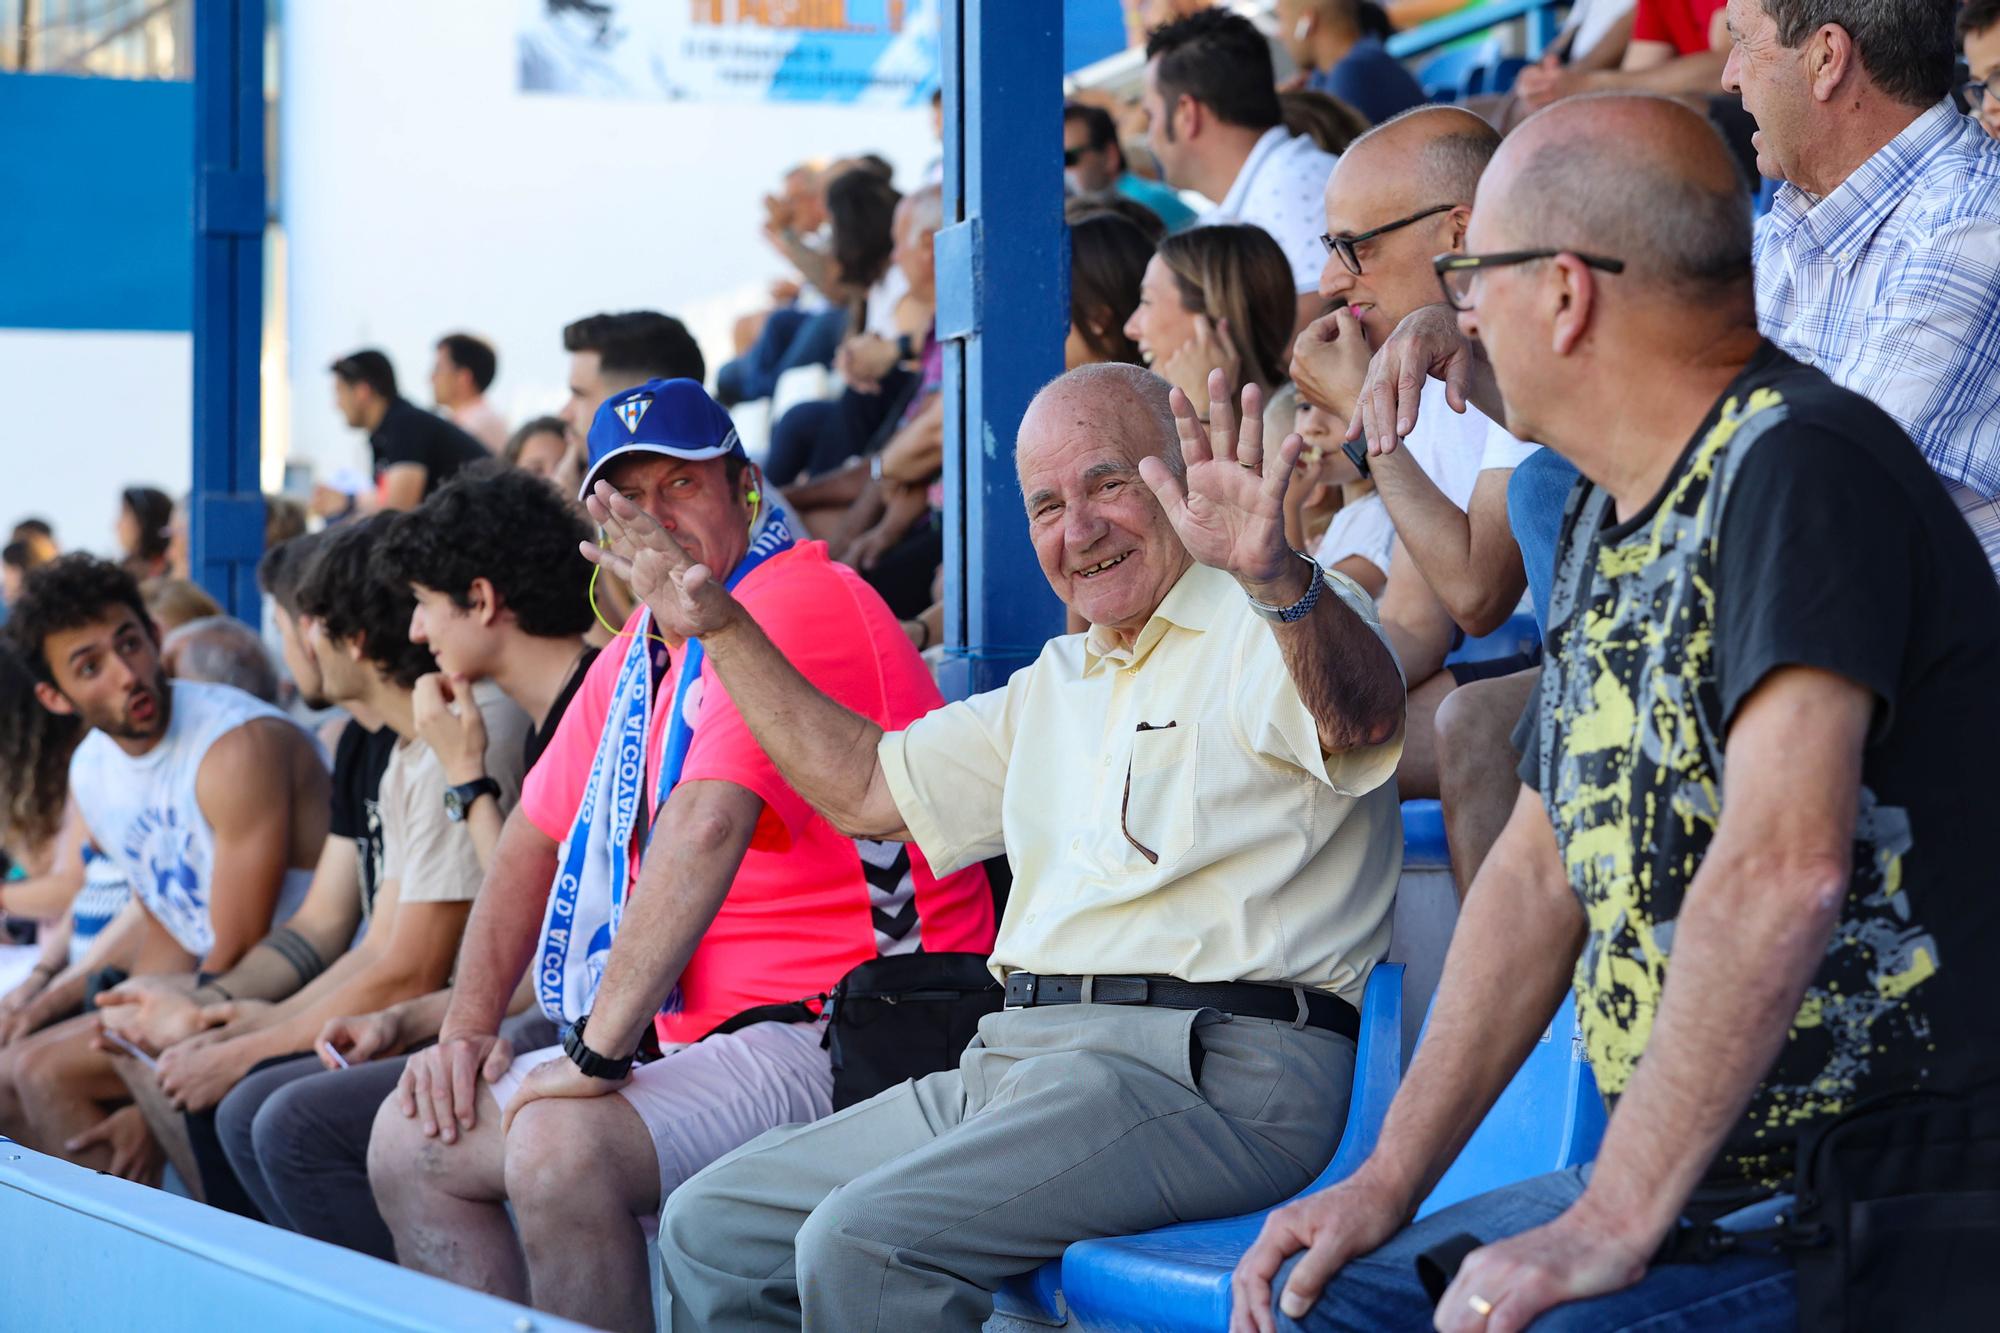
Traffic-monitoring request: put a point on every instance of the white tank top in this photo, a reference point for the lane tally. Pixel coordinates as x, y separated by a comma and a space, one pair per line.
143, 814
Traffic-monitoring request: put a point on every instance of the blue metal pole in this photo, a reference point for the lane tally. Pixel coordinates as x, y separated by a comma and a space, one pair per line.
1003, 312
226, 509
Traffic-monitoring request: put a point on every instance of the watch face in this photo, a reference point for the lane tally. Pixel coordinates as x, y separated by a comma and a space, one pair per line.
454, 805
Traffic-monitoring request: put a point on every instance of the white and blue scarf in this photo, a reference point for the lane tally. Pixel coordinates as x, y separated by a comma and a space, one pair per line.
594, 864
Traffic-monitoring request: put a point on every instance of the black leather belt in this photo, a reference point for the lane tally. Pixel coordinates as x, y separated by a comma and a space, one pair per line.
1299, 1006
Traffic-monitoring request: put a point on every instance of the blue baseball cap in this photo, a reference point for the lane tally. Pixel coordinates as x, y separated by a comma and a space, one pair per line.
675, 418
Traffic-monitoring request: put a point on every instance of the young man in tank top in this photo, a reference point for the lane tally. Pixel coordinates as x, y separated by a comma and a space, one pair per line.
212, 803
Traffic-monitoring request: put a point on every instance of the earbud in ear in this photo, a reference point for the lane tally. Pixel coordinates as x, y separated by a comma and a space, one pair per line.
752, 496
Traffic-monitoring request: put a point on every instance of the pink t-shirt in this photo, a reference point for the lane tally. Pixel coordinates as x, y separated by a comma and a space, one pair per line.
800, 913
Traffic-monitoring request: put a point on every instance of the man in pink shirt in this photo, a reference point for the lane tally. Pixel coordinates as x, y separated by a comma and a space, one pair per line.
678, 880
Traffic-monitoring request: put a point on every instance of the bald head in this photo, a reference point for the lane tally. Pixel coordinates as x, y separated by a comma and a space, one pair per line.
1427, 155
1641, 179
1109, 396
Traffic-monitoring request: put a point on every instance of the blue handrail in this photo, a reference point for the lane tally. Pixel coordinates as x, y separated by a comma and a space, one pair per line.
1541, 16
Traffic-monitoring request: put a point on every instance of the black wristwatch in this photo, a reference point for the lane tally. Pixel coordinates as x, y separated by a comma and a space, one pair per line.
458, 801
590, 1062
1357, 454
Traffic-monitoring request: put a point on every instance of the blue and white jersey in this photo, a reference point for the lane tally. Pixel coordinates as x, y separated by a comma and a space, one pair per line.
142, 812
103, 897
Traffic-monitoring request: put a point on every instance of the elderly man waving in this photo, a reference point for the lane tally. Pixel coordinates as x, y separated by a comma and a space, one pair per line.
1197, 800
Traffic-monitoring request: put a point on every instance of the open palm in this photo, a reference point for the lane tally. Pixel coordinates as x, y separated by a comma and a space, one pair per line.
1230, 511
687, 599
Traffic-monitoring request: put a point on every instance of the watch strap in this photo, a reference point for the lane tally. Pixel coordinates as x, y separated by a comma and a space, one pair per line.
458, 801
1302, 608
589, 1062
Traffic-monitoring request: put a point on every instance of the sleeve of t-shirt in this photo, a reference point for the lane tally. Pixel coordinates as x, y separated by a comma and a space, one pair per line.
438, 862
399, 445
1275, 720
947, 773
343, 820
1503, 448
1524, 738
1815, 566
554, 786
1648, 23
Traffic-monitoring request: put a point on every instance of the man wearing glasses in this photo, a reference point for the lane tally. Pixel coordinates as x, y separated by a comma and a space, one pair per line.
1196, 800
1401, 194
1751, 957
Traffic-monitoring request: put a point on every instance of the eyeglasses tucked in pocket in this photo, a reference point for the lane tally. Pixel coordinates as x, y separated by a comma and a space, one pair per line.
1156, 812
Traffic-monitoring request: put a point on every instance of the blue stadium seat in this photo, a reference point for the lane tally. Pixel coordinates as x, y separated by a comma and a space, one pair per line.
1178, 1277
1444, 76
1551, 1116
1500, 78
1518, 635
1176, 1280
1424, 846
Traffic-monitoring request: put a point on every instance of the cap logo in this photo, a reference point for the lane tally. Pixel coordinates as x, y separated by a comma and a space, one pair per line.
631, 411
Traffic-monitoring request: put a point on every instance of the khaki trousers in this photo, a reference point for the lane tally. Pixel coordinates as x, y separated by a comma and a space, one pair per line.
1061, 1123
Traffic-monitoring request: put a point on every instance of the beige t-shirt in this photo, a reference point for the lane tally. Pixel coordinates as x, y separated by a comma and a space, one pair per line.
431, 858
1272, 861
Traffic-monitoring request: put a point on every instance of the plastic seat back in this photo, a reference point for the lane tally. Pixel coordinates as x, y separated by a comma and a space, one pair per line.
1176, 1279
1549, 1117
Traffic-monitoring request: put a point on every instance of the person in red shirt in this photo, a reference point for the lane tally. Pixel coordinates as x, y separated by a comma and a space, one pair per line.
678, 881
1677, 46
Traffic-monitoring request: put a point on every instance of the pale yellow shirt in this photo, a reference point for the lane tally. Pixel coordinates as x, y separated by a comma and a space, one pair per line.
1276, 862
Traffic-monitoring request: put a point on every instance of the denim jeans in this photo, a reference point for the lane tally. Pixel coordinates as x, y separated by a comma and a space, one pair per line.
1536, 494
790, 337
1743, 1293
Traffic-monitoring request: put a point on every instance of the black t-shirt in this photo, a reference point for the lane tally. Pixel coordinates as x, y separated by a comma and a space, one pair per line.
408, 434
539, 738
1800, 528
358, 760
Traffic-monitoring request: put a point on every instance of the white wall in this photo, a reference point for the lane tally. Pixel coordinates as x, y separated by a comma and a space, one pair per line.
87, 415
421, 193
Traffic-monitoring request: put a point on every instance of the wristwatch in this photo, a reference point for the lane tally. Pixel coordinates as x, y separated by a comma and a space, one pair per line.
458, 800
1357, 454
1300, 609
588, 1061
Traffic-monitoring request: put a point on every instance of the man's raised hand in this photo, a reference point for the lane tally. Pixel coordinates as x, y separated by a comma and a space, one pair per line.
1230, 512
687, 599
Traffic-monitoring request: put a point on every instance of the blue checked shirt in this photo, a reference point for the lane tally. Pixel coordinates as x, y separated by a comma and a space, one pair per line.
1891, 285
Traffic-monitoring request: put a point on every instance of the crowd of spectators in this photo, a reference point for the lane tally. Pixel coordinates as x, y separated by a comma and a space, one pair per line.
478, 909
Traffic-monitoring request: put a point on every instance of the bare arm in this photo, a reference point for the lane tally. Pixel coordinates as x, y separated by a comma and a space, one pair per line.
1511, 954
1427, 343
1609, 53
825, 751
501, 933
257, 823
1647, 70
1468, 557
705, 828
296, 952
816, 267
417, 942
1416, 621
48, 895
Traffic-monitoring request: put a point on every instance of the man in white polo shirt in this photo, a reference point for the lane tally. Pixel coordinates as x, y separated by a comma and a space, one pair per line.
1216, 129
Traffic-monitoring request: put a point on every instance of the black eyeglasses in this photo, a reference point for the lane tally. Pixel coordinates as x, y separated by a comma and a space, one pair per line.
1072, 156
1457, 272
1344, 245
1974, 91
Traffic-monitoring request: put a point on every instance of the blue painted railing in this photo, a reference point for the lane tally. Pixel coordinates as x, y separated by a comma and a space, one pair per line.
1543, 16
85, 1252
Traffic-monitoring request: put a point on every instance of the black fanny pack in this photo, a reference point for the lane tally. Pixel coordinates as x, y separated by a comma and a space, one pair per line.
1895, 1222
892, 1019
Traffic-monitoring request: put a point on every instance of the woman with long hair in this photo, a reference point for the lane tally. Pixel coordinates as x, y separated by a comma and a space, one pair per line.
1218, 298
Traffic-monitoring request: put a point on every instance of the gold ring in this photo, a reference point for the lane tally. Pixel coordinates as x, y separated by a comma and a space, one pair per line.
1480, 1305
1252, 466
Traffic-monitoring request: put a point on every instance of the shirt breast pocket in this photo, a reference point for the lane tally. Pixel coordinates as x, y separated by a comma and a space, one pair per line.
1158, 809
